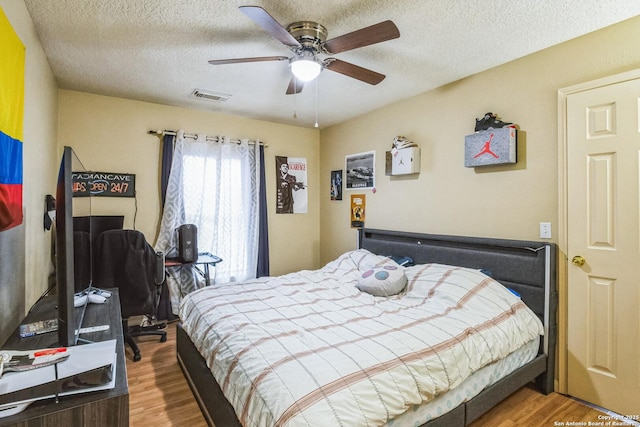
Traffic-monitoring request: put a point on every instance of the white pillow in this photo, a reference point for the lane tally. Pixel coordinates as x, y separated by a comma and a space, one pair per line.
383, 281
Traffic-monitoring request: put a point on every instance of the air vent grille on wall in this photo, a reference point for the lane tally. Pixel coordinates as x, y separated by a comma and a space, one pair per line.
214, 96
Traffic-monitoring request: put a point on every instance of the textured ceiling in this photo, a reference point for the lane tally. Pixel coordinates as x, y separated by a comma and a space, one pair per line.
157, 50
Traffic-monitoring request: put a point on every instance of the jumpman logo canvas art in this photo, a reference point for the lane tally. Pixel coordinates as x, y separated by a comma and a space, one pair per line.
490, 147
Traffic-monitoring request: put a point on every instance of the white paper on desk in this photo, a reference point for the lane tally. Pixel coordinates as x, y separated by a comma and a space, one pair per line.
82, 358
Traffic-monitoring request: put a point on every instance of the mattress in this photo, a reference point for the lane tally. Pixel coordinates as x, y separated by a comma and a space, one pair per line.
311, 349
471, 387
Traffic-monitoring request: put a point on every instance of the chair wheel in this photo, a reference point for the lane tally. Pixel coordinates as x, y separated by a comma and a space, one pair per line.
137, 357
163, 338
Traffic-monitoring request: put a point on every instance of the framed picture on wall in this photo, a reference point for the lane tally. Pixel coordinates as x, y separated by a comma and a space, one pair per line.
291, 187
336, 185
358, 208
360, 170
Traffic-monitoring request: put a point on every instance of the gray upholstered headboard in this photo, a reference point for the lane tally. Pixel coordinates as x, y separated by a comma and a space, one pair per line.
528, 267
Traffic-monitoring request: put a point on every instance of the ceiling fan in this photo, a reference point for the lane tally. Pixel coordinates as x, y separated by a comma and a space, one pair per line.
307, 40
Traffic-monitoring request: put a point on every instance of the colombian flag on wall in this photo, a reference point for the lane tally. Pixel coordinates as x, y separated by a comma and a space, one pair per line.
12, 59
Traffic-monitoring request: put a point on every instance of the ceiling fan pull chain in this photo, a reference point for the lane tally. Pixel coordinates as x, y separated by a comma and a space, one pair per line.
295, 90
316, 125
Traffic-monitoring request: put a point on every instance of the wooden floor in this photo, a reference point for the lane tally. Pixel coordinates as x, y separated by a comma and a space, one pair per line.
159, 396
158, 393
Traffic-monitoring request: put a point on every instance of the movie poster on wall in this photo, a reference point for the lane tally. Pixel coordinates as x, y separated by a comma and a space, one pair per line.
291, 185
360, 170
358, 208
336, 185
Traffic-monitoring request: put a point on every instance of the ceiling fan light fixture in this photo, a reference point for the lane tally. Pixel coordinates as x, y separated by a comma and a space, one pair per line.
305, 68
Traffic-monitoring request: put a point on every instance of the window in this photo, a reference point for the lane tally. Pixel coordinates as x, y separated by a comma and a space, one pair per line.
215, 186
215, 200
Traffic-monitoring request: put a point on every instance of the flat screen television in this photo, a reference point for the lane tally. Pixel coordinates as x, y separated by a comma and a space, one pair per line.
86, 230
98, 224
69, 318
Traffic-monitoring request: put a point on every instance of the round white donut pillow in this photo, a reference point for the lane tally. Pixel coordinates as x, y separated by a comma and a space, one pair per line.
383, 281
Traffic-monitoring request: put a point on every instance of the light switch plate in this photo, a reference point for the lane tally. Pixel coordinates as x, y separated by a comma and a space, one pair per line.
545, 230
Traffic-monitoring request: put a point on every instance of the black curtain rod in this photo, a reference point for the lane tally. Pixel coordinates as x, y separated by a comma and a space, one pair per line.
195, 136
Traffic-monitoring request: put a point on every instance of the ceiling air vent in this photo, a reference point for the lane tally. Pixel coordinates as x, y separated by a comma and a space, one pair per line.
214, 96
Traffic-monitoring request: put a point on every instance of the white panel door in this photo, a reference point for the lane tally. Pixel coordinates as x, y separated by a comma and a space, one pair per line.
603, 246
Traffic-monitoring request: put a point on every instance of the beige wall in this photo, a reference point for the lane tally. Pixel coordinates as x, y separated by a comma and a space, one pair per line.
110, 135
30, 251
447, 198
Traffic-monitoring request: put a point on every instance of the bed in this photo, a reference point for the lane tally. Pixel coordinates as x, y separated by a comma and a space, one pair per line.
526, 268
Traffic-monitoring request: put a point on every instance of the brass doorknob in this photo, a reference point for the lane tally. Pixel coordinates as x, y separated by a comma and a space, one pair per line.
578, 260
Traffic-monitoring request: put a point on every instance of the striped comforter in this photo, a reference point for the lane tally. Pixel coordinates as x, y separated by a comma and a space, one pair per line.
310, 349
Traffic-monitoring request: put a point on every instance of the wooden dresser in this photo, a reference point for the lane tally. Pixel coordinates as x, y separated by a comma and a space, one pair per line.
98, 408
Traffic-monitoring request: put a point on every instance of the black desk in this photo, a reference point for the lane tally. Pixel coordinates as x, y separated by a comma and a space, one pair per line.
96, 408
205, 259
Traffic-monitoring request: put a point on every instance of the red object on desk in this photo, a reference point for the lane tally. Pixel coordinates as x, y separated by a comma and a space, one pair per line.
49, 352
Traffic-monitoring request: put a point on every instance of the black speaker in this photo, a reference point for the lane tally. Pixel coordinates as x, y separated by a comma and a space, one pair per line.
187, 243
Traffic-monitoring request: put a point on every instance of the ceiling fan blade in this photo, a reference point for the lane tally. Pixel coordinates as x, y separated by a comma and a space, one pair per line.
241, 60
295, 86
354, 71
270, 25
377, 33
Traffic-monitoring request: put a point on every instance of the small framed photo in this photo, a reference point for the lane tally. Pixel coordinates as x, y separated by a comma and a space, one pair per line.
336, 185
358, 208
360, 170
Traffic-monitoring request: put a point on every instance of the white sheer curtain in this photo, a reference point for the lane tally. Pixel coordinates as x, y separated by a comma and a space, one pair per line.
214, 185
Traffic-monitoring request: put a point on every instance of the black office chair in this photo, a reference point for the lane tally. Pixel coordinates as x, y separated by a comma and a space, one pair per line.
123, 259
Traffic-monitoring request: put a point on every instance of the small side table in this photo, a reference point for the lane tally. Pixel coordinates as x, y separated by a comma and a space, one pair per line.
205, 259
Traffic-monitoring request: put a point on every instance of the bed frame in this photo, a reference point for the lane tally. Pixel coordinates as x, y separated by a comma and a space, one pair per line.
528, 267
